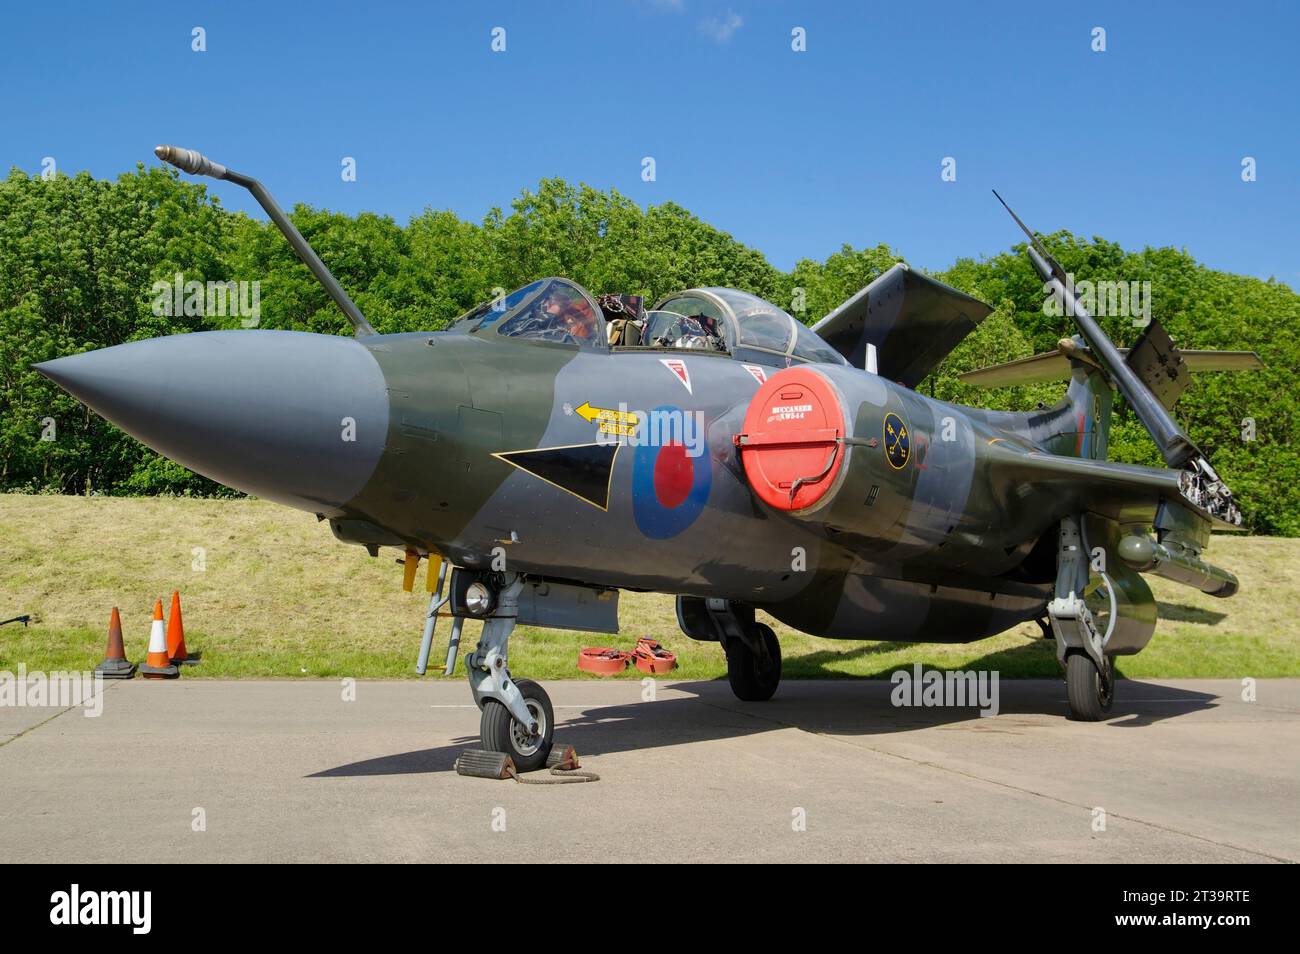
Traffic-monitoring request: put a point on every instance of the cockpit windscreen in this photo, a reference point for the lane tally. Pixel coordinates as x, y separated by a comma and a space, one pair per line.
551, 309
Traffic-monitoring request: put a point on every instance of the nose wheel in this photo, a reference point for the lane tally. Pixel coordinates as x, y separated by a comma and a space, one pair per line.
517, 716
527, 745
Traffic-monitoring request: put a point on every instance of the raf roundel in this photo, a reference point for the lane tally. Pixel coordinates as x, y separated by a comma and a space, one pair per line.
669, 486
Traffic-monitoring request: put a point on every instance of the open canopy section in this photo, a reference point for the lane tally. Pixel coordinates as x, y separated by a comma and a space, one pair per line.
750, 328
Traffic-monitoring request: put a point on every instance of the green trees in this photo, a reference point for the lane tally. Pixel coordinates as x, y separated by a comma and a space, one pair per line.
79, 259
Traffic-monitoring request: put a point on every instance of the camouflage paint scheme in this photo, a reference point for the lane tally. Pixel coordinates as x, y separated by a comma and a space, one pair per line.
935, 559
956, 544
805, 475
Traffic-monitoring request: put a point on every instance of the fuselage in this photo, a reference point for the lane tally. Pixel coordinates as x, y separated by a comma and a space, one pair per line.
615, 467
932, 535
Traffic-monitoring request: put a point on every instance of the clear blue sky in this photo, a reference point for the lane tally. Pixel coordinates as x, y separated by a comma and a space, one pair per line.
792, 153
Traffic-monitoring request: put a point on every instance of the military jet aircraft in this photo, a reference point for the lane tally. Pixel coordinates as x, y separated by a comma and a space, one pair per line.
719, 451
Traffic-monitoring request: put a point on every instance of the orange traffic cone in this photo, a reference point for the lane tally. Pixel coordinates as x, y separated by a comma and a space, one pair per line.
158, 665
176, 650
115, 665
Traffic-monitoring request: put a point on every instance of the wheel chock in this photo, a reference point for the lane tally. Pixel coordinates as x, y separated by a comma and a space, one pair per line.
602, 660
564, 758
480, 763
562, 762
652, 658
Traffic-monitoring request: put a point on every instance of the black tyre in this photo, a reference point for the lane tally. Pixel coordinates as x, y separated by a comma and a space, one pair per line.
753, 679
499, 731
1090, 692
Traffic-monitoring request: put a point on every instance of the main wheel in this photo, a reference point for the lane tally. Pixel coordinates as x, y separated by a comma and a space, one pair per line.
1089, 691
753, 679
499, 731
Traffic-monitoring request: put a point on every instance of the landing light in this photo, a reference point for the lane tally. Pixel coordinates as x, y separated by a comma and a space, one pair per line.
478, 599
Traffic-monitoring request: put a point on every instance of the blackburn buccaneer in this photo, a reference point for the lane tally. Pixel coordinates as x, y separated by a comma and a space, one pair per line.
551, 448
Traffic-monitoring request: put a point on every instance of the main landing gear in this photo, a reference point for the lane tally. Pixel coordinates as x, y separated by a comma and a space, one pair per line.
753, 652
754, 664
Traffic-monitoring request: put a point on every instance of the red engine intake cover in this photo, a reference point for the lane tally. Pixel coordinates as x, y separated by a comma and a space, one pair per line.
789, 444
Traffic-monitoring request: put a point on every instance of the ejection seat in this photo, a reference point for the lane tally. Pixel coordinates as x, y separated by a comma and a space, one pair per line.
624, 319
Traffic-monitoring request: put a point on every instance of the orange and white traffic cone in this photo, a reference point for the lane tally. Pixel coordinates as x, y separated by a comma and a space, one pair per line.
176, 650
158, 665
115, 665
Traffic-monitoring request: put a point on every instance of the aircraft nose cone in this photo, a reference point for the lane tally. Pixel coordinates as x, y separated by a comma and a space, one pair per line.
297, 418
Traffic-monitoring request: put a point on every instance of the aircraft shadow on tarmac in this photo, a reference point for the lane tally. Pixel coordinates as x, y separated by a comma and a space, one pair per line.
843, 706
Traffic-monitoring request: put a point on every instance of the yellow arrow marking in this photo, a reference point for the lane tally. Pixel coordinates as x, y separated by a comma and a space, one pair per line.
606, 415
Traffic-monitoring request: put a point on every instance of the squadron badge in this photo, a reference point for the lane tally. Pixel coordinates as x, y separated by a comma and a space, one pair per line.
898, 441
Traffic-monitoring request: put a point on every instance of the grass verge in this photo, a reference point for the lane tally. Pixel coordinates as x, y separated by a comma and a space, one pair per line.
278, 596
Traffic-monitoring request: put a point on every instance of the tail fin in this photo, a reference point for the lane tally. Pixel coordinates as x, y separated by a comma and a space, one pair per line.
1079, 424
1090, 399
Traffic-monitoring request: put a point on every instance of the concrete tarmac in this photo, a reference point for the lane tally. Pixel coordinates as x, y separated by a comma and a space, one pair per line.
223, 771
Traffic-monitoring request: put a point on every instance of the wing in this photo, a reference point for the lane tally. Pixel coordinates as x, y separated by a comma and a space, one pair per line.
1123, 492
913, 322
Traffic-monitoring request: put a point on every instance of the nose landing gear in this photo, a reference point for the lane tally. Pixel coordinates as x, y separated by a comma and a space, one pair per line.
517, 716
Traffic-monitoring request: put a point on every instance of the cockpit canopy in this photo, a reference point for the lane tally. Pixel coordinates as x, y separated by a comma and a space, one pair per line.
753, 329
724, 320
549, 309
